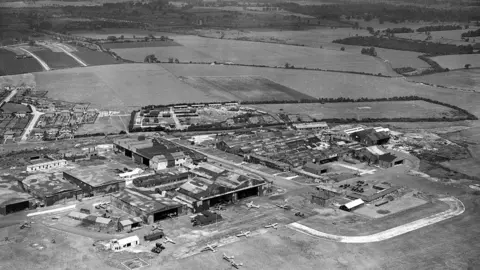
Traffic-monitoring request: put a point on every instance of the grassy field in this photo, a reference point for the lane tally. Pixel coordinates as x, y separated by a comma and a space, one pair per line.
466, 166
458, 61
126, 32
359, 110
10, 65
464, 79
246, 52
112, 124
140, 44
57, 60
328, 84
182, 53
118, 86
244, 88
448, 37
95, 58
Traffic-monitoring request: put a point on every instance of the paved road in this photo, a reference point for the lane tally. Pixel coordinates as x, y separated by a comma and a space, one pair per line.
7, 99
31, 124
456, 208
42, 63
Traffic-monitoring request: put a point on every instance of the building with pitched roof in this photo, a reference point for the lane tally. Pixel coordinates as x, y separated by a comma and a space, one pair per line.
371, 137
12, 201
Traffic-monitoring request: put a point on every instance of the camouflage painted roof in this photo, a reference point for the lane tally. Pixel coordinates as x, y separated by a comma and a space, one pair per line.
97, 175
146, 203
48, 183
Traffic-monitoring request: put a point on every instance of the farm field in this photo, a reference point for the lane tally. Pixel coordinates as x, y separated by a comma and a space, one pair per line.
466, 166
10, 65
244, 88
56, 60
400, 59
139, 44
183, 54
126, 32
331, 84
447, 37
257, 53
458, 61
96, 58
464, 79
360, 110
118, 86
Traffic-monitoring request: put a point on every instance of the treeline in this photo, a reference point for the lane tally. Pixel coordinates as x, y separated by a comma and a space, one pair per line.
435, 66
439, 28
472, 33
400, 119
399, 30
407, 45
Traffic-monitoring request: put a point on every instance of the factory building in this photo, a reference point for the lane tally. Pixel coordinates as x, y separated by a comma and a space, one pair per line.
219, 186
371, 137
49, 189
12, 201
166, 180
311, 126
150, 208
95, 180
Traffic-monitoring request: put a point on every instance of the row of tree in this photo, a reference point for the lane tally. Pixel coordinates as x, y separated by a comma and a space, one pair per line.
473, 33
407, 45
369, 51
399, 30
432, 28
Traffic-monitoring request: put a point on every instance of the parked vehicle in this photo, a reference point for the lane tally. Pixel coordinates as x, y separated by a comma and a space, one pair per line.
154, 236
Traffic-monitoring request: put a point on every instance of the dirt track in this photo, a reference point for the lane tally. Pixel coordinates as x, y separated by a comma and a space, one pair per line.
456, 208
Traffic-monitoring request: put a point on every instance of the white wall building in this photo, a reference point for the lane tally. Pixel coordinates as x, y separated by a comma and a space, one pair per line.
47, 165
158, 163
121, 244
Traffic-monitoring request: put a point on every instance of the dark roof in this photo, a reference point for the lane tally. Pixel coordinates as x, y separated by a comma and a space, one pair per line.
374, 196
372, 134
14, 108
155, 150
388, 157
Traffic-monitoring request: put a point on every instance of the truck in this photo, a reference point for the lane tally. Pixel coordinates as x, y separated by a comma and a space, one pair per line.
159, 247
154, 236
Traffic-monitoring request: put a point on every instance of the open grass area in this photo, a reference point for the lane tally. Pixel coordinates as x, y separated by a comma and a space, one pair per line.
182, 53
458, 61
118, 86
139, 44
112, 124
245, 88
463, 79
246, 52
466, 166
329, 84
57, 60
9, 64
359, 110
95, 58
127, 33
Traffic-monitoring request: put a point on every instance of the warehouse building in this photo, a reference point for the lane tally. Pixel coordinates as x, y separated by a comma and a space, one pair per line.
323, 198
95, 180
389, 160
311, 126
12, 201
49, 189
166, 180
46, 165
274, 164
201, 193
351, 206
315, 168
371, 137
150, 208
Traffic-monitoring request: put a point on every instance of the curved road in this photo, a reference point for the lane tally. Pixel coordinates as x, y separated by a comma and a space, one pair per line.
42, 63
456, 208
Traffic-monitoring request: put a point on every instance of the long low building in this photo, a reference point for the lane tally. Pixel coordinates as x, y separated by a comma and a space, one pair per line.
149, 208
95, 180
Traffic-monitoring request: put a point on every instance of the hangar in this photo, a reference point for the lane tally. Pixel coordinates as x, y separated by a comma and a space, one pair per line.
50, 188
95, 180
151, 208
225, 186
12, 201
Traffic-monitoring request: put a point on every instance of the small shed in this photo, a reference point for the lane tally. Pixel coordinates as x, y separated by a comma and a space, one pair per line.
350, 206
103, 222
125, 225
77, 215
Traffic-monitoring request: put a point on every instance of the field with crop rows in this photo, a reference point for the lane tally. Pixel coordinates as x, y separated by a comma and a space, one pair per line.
464, 79
182, 53
244, 88
9, 64
458, 61
360, 110
139, 44
56, 60
118, 86
257, 53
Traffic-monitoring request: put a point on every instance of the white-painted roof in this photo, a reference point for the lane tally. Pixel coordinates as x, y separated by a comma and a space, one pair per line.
375, 150
127, 240
354, 203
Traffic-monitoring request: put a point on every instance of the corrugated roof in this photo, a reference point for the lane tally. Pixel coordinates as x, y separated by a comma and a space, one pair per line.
78, 215
126, 222
354, 203
103, 220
